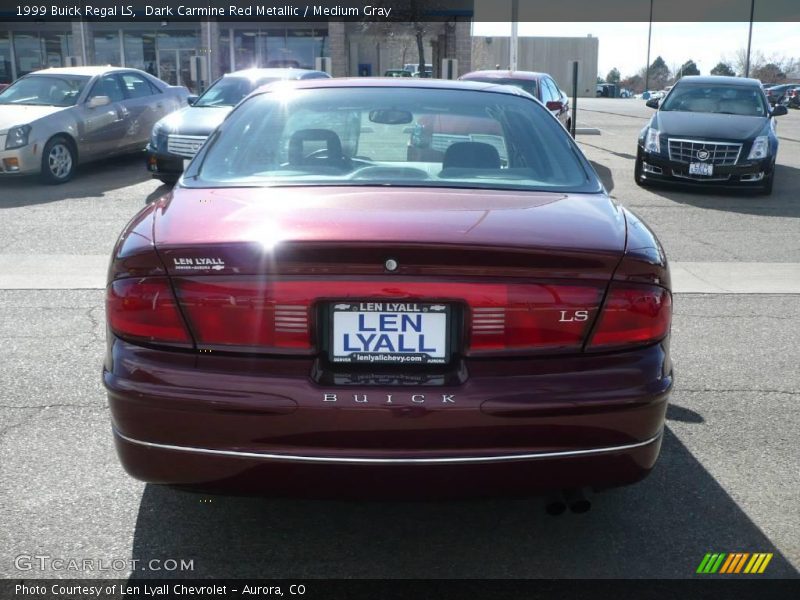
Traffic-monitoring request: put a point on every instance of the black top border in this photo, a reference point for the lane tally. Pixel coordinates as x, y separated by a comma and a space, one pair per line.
389, 11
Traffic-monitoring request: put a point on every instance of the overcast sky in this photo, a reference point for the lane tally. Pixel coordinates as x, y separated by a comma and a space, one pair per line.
624, 45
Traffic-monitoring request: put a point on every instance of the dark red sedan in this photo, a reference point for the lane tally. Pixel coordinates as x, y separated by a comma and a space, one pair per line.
318, 307
541, 86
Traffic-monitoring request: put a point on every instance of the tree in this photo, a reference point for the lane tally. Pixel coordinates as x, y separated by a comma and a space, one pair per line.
658, 74
688, 68
634, 83
723, 68
600, 79
613, 76
768, 73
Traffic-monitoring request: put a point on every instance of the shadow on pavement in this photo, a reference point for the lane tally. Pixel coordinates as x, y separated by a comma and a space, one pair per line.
661, 527
91, 180
782, 203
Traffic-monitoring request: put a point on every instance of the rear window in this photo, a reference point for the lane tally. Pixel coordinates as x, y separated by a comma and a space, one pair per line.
392, 136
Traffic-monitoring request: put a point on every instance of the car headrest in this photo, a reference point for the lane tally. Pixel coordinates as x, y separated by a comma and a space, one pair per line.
471, 155
297, 154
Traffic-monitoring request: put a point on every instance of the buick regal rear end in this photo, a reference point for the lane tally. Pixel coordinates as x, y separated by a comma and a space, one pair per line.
389, 287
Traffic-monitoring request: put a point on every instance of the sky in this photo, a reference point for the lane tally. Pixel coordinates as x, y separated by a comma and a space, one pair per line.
624, 45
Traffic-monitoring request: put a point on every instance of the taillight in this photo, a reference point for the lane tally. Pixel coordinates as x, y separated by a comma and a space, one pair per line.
632, 315
531, 317
255, 315
144, 309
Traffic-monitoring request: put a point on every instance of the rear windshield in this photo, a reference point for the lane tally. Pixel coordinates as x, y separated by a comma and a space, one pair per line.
45, 90
392, 136
528, 85
721, 99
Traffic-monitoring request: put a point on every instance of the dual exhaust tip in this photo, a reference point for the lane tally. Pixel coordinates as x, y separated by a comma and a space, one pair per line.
575, 500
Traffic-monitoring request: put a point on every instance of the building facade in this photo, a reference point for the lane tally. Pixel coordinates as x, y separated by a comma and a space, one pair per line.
196, 53
553, 55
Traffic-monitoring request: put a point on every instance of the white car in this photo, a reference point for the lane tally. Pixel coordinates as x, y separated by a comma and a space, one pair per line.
52, 120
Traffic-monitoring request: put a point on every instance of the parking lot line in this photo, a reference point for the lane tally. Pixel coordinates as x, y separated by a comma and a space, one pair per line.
88, 272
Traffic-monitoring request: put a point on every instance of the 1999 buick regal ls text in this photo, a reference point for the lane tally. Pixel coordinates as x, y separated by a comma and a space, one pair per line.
336, 294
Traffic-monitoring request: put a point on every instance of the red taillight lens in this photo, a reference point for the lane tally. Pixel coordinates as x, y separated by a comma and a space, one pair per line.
632, 315
248, 315
145, 310
531, 317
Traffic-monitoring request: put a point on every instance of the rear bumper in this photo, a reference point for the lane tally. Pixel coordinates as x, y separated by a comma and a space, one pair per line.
750, 174
265, 425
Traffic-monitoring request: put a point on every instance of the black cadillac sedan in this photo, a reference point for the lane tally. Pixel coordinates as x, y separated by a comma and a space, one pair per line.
711, 131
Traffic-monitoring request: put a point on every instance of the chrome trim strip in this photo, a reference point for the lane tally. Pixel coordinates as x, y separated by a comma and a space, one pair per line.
395, 461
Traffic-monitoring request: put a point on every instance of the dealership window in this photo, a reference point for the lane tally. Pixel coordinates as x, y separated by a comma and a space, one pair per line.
34, 50
140, 51
6, 74
278, 47
107, 48
174, 50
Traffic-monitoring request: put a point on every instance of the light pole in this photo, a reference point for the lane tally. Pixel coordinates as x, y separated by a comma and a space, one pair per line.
512, 59
749, 39
649, 36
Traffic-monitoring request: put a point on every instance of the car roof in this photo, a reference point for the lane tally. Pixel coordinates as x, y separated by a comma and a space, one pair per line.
723, 79
88, 71
506, 74
279, 73
395, 82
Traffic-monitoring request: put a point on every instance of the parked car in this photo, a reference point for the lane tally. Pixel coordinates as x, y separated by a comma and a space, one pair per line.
413, 68
776, 93
52, 120
541, 86
712, 131
397, 73
179, 136
791, 97
309, 311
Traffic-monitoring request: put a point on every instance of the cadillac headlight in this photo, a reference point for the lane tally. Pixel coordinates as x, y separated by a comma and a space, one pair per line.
17, 137
652, 143
760, 148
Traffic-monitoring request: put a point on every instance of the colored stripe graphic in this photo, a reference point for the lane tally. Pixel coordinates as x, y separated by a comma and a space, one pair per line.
724, 563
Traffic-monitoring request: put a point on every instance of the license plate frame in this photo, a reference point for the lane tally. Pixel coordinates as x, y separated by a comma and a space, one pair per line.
388, 358
702, 169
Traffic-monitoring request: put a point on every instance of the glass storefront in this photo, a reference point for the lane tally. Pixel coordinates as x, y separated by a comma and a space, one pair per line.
34, 50
278, 47
175, 55
6, 75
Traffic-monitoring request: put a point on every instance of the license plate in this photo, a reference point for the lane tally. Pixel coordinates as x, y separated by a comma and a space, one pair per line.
701, 169
403, 333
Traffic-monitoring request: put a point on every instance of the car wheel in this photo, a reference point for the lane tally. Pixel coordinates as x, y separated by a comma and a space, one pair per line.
637, 172
58, 161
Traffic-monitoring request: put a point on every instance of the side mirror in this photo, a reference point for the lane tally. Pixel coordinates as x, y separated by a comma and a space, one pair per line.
555, 105
98, 101
652, 103
779, 111
191, 99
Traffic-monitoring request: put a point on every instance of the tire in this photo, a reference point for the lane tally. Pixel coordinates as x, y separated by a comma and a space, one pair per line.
59, 161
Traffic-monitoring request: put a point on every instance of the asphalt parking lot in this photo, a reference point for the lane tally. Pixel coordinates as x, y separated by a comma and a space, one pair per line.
727, 479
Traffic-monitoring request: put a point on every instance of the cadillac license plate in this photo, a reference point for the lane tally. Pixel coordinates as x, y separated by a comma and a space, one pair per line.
390, 332
701, 169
